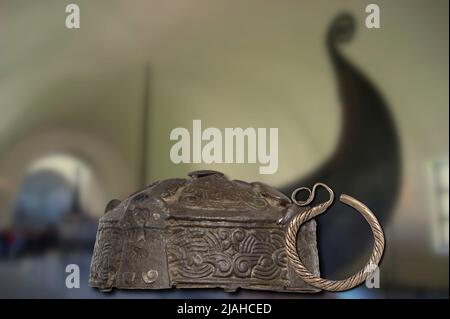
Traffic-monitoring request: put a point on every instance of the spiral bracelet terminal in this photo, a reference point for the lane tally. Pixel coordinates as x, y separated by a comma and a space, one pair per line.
298, 220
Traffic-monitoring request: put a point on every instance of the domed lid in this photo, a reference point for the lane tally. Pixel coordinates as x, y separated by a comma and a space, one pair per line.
205, 195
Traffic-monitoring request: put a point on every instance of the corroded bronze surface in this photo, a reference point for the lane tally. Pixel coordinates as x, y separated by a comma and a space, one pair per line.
201, 232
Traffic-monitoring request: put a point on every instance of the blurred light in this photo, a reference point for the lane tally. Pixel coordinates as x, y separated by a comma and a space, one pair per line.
66, 165
440, 204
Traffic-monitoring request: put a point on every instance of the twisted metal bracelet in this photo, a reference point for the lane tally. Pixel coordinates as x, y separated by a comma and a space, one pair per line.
297, 221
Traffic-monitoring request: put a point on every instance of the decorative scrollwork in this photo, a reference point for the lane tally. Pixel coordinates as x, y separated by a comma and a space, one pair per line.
208, 193
106, 259
209, 254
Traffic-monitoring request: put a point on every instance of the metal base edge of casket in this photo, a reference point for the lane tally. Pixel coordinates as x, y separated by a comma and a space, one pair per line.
202, 232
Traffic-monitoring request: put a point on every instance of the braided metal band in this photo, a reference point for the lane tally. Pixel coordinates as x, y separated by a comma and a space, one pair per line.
291, 243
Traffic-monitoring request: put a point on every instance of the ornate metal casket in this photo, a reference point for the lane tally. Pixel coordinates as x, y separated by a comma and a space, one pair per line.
201, 232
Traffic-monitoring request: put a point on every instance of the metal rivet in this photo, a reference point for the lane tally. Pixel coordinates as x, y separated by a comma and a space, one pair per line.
156, 216
150, 276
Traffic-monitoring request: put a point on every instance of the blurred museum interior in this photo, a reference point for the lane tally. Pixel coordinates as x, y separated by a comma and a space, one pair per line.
85, 117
